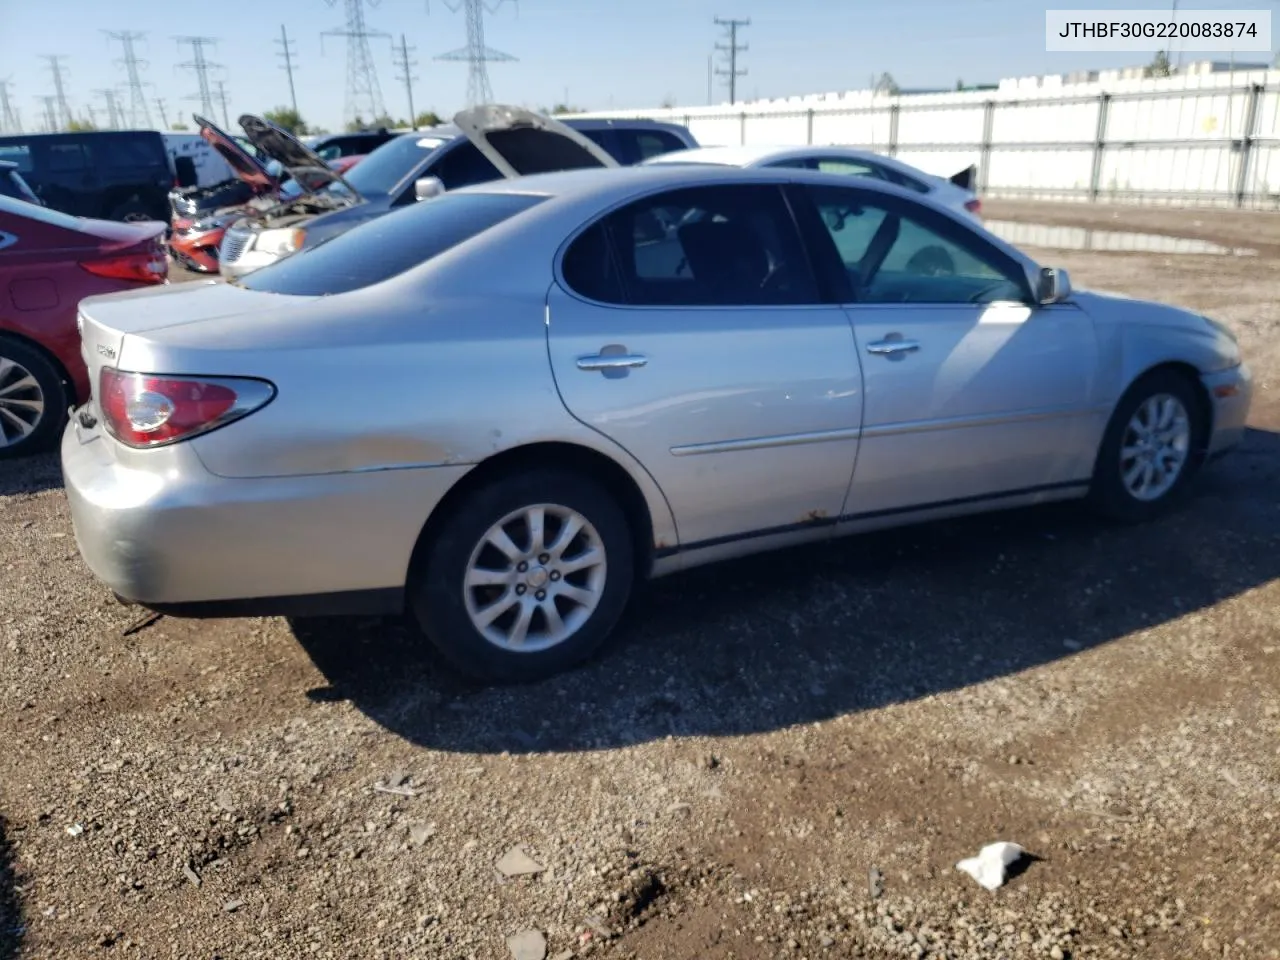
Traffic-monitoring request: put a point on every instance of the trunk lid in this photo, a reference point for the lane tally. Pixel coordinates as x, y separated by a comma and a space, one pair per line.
521, 142
303, 164
118, 234
246, 166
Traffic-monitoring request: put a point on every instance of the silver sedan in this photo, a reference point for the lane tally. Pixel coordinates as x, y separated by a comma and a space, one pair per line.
498, 408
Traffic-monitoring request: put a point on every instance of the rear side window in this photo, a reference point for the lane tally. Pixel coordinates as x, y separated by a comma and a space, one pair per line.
125, 152
651, 143
389, 245
68, 157
18, 153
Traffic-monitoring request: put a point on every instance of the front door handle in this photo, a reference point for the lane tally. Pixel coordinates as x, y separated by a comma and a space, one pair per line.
891, 347
612, 361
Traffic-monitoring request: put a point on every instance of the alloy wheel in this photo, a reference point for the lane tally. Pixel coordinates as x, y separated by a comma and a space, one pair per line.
22, 402
1156, 446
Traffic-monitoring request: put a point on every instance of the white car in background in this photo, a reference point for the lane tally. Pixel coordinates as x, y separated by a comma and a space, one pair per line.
955, 193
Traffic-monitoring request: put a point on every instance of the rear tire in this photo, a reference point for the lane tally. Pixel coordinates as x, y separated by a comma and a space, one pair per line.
1152, 449
544, 602
33, 400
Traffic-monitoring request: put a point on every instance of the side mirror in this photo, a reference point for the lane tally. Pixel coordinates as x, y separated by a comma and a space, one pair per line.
1055, 285
425, 188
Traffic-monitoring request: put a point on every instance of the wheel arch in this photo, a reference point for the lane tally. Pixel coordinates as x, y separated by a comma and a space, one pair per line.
8, 333
612, 475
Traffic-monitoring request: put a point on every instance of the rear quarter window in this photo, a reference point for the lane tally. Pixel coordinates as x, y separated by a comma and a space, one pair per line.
123, 152
389, 245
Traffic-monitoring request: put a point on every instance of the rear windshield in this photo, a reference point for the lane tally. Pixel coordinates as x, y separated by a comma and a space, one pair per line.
388, 246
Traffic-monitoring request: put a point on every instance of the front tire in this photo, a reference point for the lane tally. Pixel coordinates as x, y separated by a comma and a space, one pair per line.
527, 576
1152, 449
33, 400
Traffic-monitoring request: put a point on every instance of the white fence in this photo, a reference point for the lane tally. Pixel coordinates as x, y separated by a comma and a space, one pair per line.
1211, 139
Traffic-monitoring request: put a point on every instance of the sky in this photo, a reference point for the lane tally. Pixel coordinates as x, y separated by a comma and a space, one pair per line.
596, 55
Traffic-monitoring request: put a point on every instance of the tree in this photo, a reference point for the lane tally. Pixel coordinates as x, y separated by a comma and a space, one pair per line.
289, 119
886, 84
178, 125
668, 102
77, 126
428, 118
355, 125
959, 84
562, 108
1159, 65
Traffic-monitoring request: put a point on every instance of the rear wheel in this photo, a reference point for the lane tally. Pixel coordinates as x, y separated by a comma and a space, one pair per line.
1151, 450
526, 577
33, 400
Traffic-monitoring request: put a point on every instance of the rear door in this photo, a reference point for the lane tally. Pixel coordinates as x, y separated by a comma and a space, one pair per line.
688, 327
64, 176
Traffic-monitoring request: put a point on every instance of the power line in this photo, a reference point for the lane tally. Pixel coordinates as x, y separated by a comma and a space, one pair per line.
222, 100
731, 52
114, 120
163, 118
476, 54
201, 67
286, 51
9, 119
140, 116
405, 64
364, 96
60, 93
50, 102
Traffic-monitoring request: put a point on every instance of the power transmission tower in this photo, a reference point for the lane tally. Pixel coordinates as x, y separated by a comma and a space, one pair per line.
405, 64
163, 118
287, 52
92, 114
139, 115
476, 53
60, 93
201, 67
50, 102
731, 52
364, 96
114, 120
222, 100
9, 120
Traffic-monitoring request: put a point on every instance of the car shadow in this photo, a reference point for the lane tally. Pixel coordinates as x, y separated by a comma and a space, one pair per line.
809, 634
11, 925
30, 474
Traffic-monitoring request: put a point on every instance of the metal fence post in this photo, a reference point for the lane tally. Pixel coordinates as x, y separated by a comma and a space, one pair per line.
742, 132
894, 109
1246, 142
988, 125
1099, 147
809, 135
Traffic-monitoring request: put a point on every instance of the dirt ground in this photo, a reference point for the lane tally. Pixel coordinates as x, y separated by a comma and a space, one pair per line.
780, 757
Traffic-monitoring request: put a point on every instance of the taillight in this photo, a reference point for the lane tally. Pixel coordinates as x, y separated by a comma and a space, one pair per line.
147, 266
974, 206
144, 410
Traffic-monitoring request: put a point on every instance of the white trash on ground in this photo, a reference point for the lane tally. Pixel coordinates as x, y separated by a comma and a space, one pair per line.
990, 865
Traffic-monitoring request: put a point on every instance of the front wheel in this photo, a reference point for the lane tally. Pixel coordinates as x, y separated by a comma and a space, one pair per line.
526, 577
1151, 450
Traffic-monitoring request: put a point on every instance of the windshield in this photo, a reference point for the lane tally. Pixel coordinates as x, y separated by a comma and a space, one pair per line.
381, 170
389, 245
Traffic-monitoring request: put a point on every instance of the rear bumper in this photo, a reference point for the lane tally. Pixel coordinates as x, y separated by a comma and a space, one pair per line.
160, 530
1231, 392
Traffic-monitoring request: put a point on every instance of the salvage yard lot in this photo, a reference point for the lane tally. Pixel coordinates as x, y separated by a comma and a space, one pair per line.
721, 782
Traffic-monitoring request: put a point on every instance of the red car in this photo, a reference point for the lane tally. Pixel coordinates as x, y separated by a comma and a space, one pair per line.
49, 262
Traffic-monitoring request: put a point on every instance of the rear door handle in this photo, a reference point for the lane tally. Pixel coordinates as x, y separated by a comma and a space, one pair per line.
891, 347
612, 361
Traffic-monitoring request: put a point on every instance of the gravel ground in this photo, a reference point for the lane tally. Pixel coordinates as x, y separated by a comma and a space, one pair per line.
780, 757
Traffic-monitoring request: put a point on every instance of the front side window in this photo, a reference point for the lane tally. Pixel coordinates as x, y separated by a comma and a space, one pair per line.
702, 246
387, 246
898, 252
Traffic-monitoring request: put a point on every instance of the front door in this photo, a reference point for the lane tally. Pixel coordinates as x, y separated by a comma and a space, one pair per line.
687, 327
972, 390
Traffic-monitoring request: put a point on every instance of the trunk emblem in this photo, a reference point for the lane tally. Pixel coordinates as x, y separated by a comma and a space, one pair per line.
108, 352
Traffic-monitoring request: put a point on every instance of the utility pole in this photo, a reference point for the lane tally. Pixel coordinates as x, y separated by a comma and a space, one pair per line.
201, 67
287, 52
60, 93
405, 64
140, 116
9, 121
731, 51
364, 95
476, 54
163, 118
222, 99
710, 74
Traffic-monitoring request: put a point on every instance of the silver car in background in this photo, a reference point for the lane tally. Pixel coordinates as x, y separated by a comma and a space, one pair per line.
568, 381
955, 192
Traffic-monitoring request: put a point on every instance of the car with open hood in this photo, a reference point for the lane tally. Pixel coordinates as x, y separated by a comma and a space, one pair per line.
485, 143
